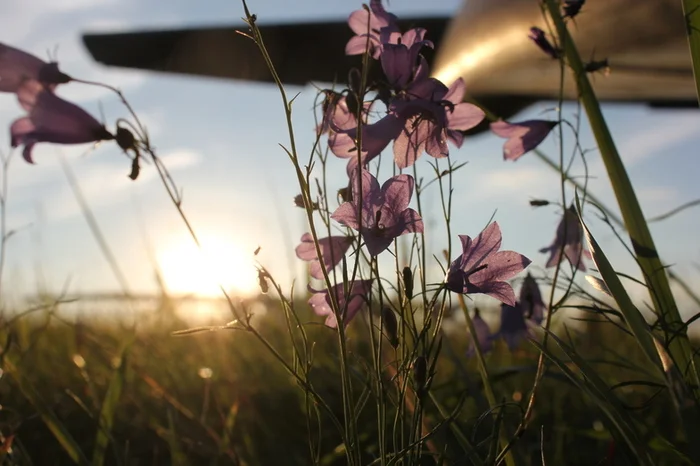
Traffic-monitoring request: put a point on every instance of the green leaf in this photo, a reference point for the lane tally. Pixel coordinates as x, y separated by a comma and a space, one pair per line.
109, 407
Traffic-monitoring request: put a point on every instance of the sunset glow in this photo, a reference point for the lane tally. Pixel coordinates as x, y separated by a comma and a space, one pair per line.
187, 270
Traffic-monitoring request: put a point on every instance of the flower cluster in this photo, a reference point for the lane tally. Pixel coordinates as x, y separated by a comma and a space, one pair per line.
421, 115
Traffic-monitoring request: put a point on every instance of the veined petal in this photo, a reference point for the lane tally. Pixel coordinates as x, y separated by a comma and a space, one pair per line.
464, 116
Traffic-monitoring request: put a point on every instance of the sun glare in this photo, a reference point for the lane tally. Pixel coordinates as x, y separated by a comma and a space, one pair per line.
188, 270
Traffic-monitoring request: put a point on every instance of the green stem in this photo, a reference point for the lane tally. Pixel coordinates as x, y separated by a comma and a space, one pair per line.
691, 11
642, 242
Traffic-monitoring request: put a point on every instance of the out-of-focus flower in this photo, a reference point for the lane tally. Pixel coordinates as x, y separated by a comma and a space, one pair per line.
483, 335
333, 249
384, 213
368, 27
52, 119
522, 137
569, 237
482, 268
514, 328
540, 39
17, 66
572, 7
531, 300
321, 301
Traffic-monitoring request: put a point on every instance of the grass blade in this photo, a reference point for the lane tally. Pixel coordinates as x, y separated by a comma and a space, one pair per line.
47, 415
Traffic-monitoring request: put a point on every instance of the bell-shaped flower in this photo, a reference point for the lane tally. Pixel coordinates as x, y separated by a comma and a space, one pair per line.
332, 248
483, 335
379, 214
17, 66
351, 304
368, 27
482, 268
52, 119
538, 36
569, 238
400, 58
429, 115
531, 300
514, 327
522, 137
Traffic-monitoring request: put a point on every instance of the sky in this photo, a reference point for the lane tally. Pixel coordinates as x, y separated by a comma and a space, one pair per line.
220, 139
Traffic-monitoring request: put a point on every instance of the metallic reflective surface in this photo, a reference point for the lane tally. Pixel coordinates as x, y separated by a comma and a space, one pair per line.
486, 43
643, 40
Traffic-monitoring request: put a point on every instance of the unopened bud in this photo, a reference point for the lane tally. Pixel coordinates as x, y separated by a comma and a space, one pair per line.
420, 374
538, 203
391, 326
125, 138
262, 282
408, 282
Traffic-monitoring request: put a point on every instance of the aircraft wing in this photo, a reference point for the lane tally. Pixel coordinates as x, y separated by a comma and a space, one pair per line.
301, 53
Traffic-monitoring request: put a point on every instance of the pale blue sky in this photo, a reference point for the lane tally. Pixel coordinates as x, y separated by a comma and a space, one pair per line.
220, 140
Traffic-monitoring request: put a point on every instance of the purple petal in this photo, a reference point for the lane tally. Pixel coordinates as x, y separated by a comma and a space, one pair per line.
397, 192
346, 214
333, 249
464, 116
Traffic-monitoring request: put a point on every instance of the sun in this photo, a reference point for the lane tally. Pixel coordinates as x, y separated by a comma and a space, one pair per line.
221, 261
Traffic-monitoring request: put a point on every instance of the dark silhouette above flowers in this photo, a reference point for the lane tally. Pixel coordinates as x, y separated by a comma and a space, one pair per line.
482, 268
380, 214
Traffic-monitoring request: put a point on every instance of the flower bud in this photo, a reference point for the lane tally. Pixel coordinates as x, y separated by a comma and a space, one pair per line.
262, 282
420, 374
391, 326
408, 282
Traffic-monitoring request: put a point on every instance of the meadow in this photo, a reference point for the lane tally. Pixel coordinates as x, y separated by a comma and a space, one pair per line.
384, 357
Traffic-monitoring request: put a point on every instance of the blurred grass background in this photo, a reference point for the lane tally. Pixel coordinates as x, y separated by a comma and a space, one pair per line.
220, 398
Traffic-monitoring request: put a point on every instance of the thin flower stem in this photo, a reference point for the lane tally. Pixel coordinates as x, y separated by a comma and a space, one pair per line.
642, 241
691, 12
485, 379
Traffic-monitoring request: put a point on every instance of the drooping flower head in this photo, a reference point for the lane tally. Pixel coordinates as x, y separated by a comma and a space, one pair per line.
368, 26
531, 300
522, 137
571, 8
400, 58
52, 119
333, 249
569, 237
383, 213
482, 268
358, 292
540, 39
514, 327
17, 66
483, 335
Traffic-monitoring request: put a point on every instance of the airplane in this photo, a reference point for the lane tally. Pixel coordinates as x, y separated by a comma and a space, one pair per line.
486, 43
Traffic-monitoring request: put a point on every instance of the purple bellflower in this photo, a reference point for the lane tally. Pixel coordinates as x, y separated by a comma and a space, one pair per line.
369, 27
531, 300
483, 335
423, 121
384, 213
400, 58
52, 119
482, 268
17, 66
514, 327
333, 249
540, 39
569, 237
522, 137
321, 301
